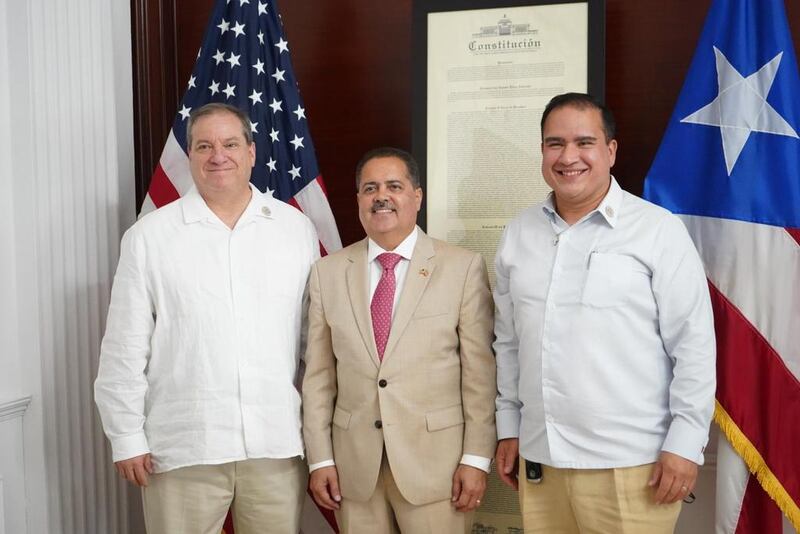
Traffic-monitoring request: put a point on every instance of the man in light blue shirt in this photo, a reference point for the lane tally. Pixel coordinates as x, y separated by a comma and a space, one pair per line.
604, 341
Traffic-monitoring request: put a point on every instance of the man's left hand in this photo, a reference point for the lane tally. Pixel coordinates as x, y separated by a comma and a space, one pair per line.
673, 477
469, 484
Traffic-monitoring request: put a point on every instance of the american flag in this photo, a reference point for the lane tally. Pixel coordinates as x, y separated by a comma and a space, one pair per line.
244, 61
737, 187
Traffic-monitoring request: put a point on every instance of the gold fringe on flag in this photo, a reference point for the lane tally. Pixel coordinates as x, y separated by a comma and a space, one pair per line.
756, 464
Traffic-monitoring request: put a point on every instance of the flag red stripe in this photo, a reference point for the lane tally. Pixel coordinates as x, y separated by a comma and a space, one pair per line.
328, 515
322, 184
795, 233
330, 518
227, 527
161, 190
759, 514
758, 391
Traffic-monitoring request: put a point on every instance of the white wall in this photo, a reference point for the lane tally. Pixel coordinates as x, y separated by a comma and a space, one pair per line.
13, 393
10, 376
66, 146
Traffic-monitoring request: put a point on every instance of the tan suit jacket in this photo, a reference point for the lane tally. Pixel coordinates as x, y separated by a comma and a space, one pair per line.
430, 400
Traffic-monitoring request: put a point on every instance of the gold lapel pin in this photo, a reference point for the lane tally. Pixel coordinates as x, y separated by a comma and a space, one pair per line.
424, 272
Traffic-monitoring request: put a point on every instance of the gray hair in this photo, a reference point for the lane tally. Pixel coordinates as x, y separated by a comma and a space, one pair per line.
412, 169
212, 109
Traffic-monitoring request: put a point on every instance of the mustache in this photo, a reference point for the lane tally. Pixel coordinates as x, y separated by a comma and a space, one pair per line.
381, 205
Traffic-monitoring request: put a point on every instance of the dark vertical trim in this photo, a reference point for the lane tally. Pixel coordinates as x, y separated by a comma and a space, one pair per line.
596, 81
156, 88
141, 97
419, 103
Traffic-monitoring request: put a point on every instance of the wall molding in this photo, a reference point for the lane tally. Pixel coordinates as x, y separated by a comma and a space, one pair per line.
156, 90
2, 511
14, 408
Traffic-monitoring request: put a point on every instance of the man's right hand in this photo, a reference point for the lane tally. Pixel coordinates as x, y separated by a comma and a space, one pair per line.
324, 486
507, 461
136, 469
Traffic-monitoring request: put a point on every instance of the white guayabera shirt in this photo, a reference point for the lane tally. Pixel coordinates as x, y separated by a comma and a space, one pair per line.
201, 349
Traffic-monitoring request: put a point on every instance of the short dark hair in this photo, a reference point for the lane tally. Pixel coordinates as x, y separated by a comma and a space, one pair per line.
582, 101
412, 169
212, 109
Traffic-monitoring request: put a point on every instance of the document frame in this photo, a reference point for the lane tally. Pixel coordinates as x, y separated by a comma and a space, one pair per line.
524, 31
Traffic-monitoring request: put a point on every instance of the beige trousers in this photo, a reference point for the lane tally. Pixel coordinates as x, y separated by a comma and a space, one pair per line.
265, 496
388, 512
594, 501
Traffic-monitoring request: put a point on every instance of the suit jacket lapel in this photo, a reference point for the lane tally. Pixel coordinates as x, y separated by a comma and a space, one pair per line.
420, 269
357, 287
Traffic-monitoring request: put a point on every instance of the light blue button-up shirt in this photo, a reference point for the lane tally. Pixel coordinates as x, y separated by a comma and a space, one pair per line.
605, 341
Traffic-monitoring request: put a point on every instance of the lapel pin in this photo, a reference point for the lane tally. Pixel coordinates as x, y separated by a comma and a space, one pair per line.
266, 211
424, 272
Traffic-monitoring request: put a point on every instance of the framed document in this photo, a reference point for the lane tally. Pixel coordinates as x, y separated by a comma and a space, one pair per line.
484, 71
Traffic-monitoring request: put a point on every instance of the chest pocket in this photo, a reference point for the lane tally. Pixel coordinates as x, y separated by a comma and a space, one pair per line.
610, 279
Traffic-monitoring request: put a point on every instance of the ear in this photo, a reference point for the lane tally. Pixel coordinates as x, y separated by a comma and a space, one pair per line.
418, 199
252, 150
612, 152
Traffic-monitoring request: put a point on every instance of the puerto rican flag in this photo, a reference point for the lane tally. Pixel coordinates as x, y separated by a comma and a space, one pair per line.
729, 165
244, 61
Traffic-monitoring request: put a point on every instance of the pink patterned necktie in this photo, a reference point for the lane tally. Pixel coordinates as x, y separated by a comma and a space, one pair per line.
383, 300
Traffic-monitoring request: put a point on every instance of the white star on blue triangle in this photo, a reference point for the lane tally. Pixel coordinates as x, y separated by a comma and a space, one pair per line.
741, 107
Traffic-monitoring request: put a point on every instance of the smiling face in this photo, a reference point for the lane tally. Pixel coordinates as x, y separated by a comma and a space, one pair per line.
387, 201
220, 158
576, 160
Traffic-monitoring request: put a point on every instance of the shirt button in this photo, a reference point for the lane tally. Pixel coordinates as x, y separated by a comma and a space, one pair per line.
378, 424
382, 382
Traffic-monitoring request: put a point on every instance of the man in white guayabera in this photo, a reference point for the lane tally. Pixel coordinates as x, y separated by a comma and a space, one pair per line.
197, 367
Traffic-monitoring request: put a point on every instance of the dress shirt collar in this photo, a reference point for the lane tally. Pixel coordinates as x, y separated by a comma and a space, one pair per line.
405, 248
259, 206
610, 205
608, 208
195, 208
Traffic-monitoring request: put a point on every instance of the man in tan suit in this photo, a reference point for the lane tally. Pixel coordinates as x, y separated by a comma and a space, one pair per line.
399, 386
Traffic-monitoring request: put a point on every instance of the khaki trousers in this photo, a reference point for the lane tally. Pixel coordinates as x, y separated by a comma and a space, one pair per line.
265, 496
388, 512
594, 501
